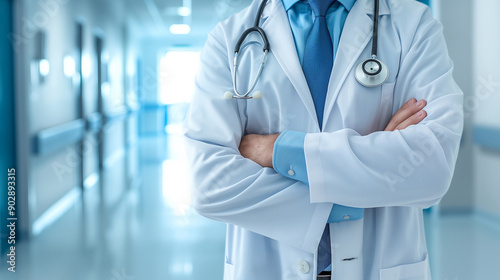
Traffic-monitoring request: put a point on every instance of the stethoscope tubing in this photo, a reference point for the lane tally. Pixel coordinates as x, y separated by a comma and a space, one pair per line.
362, 76
252, 87
237, 49
375, 29
379, 77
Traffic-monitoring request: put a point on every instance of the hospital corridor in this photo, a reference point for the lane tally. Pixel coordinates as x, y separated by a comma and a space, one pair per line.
102, 101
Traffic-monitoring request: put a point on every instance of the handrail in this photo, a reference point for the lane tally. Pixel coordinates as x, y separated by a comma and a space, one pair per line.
94, 122
487, 137
58, 137
115, 116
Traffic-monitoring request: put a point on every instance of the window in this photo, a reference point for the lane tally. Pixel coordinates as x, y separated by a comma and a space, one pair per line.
177, 72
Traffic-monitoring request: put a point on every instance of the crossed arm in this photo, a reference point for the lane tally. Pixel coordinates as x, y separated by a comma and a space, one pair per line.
259, 148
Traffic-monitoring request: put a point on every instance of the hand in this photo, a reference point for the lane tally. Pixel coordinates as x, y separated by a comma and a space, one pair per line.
258, 148
409, 114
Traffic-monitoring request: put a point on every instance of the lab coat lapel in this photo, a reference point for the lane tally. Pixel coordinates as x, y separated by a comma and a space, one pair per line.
356, 34
280, 38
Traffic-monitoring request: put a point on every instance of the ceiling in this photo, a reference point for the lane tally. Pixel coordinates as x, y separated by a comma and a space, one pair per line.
152, 18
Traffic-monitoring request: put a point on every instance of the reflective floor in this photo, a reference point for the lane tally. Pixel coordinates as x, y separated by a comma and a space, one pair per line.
463, 247
154, 234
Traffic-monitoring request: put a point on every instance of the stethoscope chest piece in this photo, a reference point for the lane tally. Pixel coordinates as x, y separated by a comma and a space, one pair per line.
372, 73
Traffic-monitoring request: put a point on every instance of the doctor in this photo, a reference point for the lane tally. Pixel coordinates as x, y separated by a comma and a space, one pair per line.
353, 168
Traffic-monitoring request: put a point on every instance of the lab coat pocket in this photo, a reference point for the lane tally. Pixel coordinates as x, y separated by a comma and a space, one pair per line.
386, 103
414, 271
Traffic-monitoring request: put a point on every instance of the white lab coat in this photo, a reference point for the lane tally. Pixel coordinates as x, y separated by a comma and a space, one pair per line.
275, 223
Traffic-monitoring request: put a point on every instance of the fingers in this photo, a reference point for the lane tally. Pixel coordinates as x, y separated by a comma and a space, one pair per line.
398, 117
412, 120
410, 108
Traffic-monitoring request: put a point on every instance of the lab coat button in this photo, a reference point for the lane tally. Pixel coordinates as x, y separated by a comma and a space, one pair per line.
291, 172
304, 267
347, 217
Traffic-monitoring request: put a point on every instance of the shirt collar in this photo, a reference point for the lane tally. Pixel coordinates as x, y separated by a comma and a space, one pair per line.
346, 3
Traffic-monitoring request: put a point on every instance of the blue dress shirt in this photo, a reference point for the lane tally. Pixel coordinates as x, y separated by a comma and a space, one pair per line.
288, 155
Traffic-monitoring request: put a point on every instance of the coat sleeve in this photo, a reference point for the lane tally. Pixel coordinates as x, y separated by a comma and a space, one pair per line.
410, 167
228, 187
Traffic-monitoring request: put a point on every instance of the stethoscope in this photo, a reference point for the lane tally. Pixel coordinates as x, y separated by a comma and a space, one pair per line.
373, 72
369, 73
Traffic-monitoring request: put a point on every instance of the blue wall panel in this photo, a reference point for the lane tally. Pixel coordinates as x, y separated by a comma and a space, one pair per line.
487, 137
7, 140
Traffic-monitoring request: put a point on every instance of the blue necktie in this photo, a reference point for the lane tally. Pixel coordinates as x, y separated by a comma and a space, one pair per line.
318, 56
317, 67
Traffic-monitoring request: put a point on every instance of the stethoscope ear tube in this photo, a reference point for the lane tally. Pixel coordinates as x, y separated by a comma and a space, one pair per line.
237, 49
266, 46
370, 73
256, 95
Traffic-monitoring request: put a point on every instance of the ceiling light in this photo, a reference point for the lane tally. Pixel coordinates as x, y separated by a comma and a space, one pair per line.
180, 29
184, 11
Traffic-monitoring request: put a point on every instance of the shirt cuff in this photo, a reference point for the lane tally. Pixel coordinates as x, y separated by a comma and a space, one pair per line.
289, 158
342, 213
